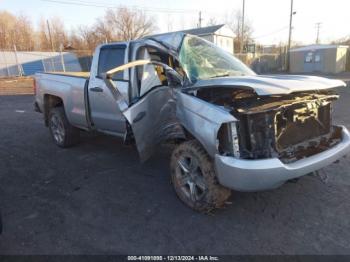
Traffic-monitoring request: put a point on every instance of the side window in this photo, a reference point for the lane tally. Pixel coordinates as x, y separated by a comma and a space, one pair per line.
309, 57
317, 58
109, 58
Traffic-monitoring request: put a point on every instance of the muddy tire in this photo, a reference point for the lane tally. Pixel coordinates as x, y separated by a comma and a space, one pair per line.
62, 132
194, 178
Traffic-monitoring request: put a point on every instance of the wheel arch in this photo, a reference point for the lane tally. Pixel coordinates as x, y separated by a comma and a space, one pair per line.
51, 101
202, 120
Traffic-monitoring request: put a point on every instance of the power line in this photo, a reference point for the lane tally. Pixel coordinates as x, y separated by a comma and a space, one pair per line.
106, 5
273, 32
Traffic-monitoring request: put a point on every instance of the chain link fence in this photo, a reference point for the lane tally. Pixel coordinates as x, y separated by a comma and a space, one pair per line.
26, 63
263, 63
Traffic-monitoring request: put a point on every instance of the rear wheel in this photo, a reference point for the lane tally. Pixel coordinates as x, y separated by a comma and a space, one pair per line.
194, 178
62, 132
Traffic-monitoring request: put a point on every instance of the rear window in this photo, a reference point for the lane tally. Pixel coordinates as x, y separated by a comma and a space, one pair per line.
111, 57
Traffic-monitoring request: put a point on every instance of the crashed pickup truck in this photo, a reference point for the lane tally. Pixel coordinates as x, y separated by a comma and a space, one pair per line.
230, 128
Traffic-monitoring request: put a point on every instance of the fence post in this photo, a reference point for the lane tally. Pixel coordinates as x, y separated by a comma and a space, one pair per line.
62, 58
19, 66
53, 69
7, 68
43, 63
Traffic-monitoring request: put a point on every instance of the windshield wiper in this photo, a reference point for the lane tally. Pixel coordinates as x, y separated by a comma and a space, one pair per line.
222, 75
227, 74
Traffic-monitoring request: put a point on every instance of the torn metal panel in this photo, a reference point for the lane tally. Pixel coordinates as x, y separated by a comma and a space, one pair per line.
202, 119
153, 120
289, 127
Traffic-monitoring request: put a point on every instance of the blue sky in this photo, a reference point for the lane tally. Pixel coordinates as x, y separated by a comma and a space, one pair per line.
269, 18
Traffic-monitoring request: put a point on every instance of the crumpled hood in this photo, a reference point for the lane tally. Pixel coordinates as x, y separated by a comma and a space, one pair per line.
273, 84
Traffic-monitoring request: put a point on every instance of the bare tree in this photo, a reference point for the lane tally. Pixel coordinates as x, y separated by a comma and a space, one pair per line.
7, 22
212, 21
58, 32
75, 41
15, 30
128, 24
89, 37
104, 31
342, 41
52, 30
234, 21
116, 25
121, 24
24, 33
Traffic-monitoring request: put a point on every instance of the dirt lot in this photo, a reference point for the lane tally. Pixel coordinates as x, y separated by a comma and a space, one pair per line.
97, 198
16, 86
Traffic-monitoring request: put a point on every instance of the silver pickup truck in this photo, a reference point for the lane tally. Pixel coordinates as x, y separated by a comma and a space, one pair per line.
230, 128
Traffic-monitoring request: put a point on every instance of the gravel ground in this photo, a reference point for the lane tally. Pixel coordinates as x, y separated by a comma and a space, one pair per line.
96, 198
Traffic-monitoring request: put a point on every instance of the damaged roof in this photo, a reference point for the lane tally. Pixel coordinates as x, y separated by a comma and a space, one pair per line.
204, 30
174, 39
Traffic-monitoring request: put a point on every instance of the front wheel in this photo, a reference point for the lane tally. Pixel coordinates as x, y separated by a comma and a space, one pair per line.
194, 178
62, 132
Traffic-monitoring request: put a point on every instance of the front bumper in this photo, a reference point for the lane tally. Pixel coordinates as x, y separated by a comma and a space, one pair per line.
256, 175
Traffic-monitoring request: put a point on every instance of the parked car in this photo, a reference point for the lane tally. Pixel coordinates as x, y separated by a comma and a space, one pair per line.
232, 129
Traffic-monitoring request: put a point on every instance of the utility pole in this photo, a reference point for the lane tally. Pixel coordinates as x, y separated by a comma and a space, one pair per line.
200, 19
318, 27
290, 33
242, 33
49, 30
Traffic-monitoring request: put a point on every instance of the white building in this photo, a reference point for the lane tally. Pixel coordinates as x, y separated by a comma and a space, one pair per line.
221, 35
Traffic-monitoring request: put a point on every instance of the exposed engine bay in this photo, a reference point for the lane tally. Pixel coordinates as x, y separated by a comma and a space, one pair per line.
289, 127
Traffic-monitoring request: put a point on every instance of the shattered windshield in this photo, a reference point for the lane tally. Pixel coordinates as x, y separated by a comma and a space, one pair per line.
204, 60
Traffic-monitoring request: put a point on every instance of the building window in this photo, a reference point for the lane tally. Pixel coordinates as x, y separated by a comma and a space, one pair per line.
317, 58
308, 57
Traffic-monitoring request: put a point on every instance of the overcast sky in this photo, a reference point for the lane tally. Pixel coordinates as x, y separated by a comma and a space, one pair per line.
269, 18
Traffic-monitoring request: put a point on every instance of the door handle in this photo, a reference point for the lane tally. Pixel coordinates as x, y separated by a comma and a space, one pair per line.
96, 89
139, 117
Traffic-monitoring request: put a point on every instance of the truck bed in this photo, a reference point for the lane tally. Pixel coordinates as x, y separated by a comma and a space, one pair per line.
68, 86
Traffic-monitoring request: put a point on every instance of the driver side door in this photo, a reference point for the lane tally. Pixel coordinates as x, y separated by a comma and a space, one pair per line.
153, 117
